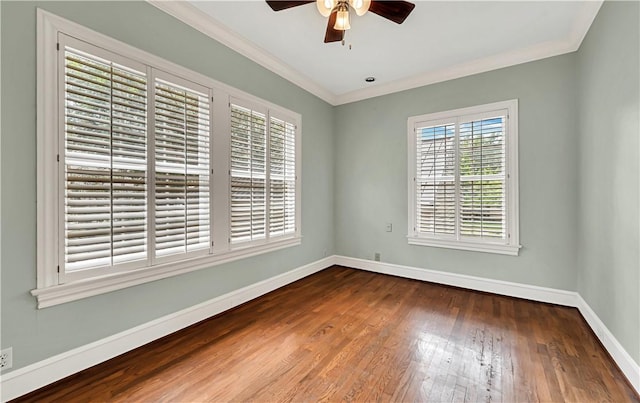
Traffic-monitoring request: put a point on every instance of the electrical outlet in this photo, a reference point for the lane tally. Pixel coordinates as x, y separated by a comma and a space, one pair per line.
6, 358
376, 257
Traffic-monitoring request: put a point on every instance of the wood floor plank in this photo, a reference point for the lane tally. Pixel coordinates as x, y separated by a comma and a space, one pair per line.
350, 335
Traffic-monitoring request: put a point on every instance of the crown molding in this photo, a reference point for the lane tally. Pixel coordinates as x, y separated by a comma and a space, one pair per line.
199, 20
536, 52
582, 24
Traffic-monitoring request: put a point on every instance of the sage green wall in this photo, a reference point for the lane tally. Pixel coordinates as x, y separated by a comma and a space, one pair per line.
371, 173
609, 202
574, 237
39, 334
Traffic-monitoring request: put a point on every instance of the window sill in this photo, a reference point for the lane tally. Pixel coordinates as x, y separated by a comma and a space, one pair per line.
60, 294
511, 250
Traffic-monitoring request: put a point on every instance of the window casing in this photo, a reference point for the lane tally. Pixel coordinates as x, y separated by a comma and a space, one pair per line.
139, 161
463, 179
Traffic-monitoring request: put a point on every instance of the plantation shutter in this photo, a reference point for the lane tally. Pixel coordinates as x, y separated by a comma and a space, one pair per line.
435, 179
282, 169
482, 177
182, 173
139, 157
460, 177
248, 174
105, 163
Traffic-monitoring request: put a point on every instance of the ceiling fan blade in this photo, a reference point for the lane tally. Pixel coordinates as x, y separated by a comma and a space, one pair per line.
333, 35
278, 5
396, 11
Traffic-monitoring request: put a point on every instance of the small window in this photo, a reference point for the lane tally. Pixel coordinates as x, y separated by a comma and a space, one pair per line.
182, 154
104, 161
263, 174
463, 190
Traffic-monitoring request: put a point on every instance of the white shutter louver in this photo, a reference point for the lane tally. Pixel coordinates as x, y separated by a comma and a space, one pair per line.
282, 177
482, 178
105, 163
182, 218
139, 157
460, 190
248, 174
435, 179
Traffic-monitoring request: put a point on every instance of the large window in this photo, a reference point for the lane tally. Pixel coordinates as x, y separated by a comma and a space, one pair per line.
147, 169
463, 187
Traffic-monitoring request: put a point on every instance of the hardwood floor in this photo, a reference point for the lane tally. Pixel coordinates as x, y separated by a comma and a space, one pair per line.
345, 334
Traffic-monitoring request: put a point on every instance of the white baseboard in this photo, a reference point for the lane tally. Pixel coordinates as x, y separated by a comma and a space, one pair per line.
34, 376
39, 374
532, 292
627, 365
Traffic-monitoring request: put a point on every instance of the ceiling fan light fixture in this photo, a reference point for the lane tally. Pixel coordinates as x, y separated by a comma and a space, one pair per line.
337, 12
360, 6
342, 18
325, 6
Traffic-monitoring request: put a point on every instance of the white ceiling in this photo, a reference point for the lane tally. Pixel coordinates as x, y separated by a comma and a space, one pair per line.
438, 41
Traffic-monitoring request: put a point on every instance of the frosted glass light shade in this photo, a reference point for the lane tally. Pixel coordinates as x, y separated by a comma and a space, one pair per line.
342, 21
360, 6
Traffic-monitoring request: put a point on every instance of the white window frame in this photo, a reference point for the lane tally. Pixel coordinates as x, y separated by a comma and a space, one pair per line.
51, 290
511, 244
268, 114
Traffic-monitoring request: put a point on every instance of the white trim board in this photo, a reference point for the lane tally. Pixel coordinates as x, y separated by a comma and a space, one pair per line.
202, 22
625, 362
518, 290
34, 376
627, 365
45, 372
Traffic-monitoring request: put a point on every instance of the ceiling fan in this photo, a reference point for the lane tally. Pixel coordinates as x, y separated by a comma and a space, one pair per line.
338, 12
